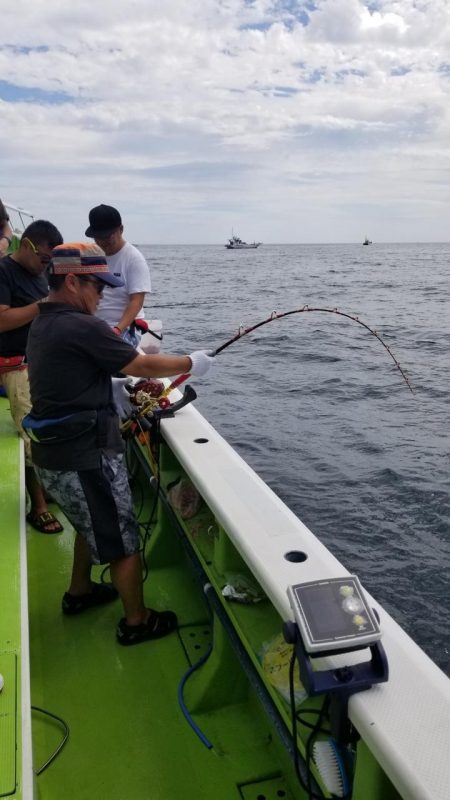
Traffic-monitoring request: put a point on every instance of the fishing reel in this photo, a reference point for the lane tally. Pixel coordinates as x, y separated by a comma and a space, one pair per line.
150, 409
168, 409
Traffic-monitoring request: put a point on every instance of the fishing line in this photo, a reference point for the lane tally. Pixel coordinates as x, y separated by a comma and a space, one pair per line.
304, 309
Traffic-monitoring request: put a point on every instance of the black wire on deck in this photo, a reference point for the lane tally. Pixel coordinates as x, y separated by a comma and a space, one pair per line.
62, 742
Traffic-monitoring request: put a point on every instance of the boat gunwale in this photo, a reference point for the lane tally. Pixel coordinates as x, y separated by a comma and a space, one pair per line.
385, 715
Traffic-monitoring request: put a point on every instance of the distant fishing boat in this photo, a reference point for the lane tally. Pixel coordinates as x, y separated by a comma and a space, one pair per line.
235, 243
367, 241
19, 219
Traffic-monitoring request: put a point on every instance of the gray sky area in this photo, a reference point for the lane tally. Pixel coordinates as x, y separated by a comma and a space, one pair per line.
287, 120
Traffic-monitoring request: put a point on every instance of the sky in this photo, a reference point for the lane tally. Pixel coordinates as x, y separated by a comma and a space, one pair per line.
283, 120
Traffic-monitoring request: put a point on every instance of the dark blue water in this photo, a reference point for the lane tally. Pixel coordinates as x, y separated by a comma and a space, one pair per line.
315, 405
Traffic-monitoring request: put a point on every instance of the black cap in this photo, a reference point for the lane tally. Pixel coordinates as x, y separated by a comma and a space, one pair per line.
103, 220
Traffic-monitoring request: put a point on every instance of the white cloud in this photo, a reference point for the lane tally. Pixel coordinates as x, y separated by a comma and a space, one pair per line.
151, 106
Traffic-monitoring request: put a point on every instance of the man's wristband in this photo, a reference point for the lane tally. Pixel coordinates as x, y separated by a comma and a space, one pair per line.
117, 330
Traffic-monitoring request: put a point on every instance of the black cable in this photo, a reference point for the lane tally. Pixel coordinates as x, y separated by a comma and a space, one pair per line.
311, 725
305, 786
310, 740
141, 498
131, 476
147, 526
315, 727
61, 744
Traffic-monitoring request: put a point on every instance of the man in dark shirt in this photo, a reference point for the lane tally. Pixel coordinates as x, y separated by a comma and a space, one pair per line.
23, 285
76, 442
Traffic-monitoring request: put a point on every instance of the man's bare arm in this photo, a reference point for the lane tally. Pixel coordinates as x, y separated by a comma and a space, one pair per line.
157, 366
12, 318
132, 309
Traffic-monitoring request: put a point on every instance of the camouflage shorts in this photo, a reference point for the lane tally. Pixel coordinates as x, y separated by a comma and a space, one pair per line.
99, 505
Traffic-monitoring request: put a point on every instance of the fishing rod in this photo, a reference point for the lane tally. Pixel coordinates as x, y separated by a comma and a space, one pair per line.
162, 401
304, 309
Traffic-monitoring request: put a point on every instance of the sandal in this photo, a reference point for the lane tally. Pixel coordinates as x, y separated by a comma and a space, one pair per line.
159, 624
45, 522
76, 603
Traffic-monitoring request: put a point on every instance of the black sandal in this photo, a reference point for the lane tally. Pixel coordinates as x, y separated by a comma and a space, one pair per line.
101, 594
159, 624
45, 522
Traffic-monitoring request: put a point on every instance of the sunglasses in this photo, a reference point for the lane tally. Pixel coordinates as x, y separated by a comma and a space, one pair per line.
45, 258
99, 286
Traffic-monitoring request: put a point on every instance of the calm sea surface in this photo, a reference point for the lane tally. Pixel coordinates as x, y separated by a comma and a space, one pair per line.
316, 406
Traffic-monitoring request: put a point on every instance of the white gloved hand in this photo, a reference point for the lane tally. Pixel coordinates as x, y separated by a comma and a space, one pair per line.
202, 361
121, 397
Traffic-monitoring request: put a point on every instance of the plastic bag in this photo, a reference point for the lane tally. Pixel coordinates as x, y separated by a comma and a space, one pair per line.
241, 589
184, 498
151, 340
275, 660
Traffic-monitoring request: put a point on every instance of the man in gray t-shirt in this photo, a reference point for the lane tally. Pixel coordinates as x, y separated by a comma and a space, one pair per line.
77, 447
120, 307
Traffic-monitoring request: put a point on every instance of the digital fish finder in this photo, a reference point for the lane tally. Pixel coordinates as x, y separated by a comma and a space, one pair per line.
332, 617
333, 614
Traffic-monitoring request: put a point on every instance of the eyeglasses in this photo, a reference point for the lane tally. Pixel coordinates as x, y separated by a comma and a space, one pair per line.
45, 258
99, 286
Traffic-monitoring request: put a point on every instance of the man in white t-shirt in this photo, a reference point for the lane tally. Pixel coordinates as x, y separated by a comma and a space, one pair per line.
119, 308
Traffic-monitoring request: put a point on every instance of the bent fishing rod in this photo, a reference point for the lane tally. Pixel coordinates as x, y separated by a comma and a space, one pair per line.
304, 309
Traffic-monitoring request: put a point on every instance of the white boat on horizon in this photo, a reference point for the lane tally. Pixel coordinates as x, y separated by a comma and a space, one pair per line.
235, 243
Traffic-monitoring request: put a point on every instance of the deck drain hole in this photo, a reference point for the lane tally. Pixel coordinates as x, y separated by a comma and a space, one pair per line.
296, 556
201, 441
281, 793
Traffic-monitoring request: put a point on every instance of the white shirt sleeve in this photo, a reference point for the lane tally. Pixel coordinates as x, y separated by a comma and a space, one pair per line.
135, 272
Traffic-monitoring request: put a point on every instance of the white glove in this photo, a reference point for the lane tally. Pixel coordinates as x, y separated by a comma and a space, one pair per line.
121, 398
202, 361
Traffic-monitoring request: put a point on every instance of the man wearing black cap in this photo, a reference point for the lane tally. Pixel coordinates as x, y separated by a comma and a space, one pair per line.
76, 443
119, 308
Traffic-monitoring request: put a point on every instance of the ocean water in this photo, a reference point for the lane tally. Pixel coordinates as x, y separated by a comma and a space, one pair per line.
316, 406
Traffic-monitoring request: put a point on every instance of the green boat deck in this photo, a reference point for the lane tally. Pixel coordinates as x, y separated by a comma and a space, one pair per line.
128, 736
11, 559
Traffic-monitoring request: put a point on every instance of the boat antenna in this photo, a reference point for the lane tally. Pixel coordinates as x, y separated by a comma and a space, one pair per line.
305, 309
